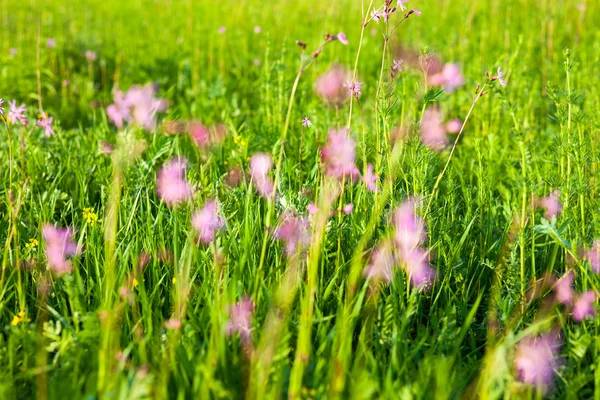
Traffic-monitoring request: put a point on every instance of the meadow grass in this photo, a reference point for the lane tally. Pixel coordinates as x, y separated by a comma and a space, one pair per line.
319, 328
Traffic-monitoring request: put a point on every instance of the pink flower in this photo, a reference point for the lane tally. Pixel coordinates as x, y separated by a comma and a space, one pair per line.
240, 318
16, 114
499, 77
137, 106
450, 78
207, 221
312, 209
306, 122
564, 288
330, 85
91, 55
354, 88
12, 51
222, 30
200, 134
118, 112
171, 185
584, 306
409, 237
433, 132
294, 231
536, 359
370, 179
257, 29
260, 166
59, 245
551, 204
454, 126
339, 155
401, 5
348, 208
46, 123
381, 267
173, 324
51, 43
398, 66
342, 38
593, 256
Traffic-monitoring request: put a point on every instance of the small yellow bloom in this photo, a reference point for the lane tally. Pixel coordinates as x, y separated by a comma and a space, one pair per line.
33, 243
134, 283
15, 320
90, 216
174, 280
20, 317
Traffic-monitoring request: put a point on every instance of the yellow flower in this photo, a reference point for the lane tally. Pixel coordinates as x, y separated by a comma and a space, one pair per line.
33, 243
15, 320
134, 283
90, 216
174, 280
20, 317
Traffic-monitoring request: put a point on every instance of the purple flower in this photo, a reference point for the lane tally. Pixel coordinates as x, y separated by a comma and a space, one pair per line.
409, 237
306, 122
50, 43
584, 306
339, 154
16, 114
499, 77
207, 221
450, 78
370, 179
59, 245
171, 185
46, 123
433, 132
240, 318
454, 126
381, 267
330, 85
593, 256
260, 166
91, 55
551, 204
294, 231
342, 38
564, 289
354, 88
536, 359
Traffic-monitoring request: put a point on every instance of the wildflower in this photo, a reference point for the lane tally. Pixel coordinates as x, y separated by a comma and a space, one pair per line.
12, 51
32, 244
401, 5
256, 62
137, 106
584, 306
260, 166
171, 185
118, 112
90, 216
339, 154
240, 318
294, 231
199, 134
222, 30
257, 29
330, 85
454, 126
105, 148
536, 359
173, 324
376, 15
312, 209
409, 237
18, 318
134, 283
564, 288
381, 267
370, 179
551, 205
433, 133
342, 38
348, 208
450, 78
91, 55
413, 11
50, 43
207, 221
306, 122
397, 66
499, 77
354, 88
59, 245
16, 114
593, 256
45, 122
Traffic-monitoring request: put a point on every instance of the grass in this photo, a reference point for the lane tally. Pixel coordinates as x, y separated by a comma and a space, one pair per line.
319, 329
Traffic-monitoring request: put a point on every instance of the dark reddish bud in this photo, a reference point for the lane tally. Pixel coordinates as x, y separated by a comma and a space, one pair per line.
301, 44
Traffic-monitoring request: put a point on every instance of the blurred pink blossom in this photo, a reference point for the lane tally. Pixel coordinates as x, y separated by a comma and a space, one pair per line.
173, 324
50, 43
339, 155
312, 209
294, 231
137, 106
354, 88
342, 38
16, 114
433, 132
171, 185
370, 179
45, 122
348, 208
91, 55
593, 256
59, 245
454, 126
260, 166
584, 306
381, 267
240, 318
207, 221
551, 204
330, 85
564, 288
450, 78
536, 359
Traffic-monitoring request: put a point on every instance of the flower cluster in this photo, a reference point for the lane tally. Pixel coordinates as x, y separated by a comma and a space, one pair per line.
59, 245
138, 105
